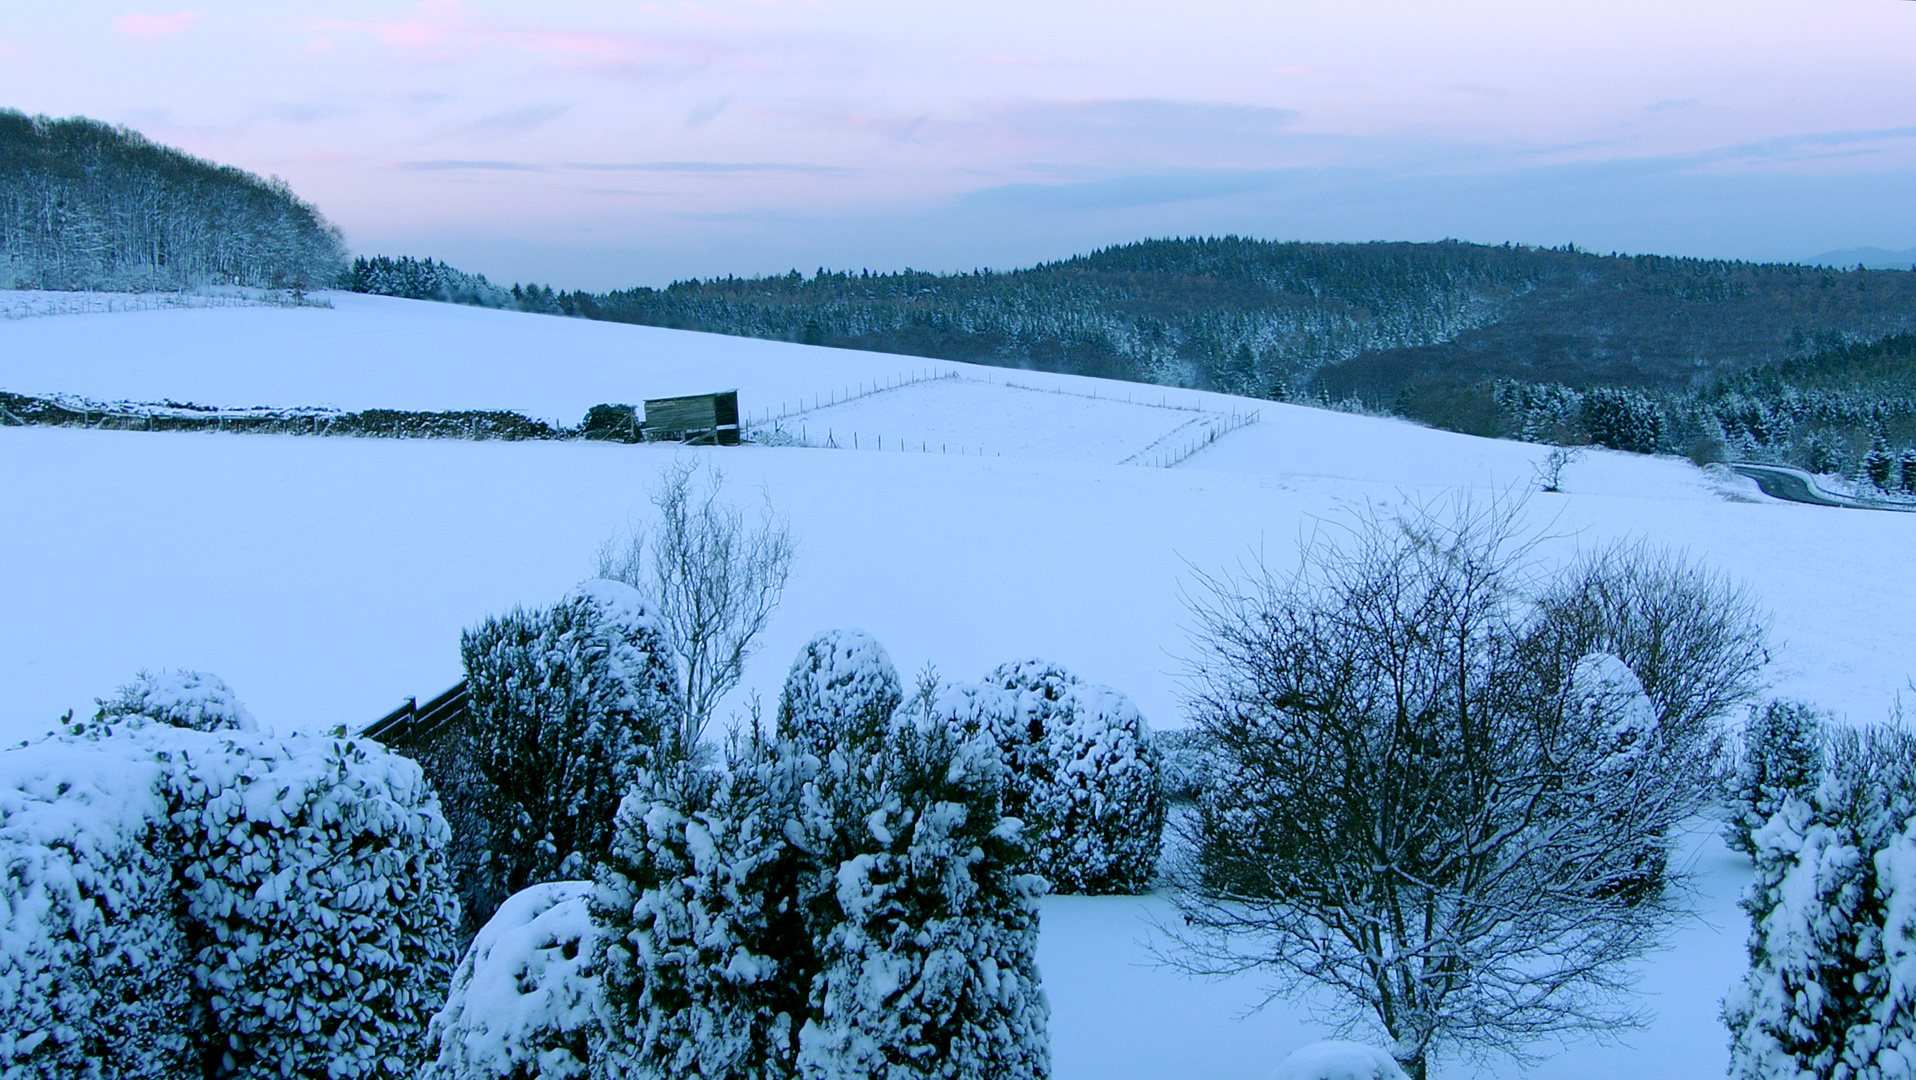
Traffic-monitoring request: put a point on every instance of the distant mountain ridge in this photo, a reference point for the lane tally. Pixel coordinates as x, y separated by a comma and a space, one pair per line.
84, 205
1388, 324
1869, 258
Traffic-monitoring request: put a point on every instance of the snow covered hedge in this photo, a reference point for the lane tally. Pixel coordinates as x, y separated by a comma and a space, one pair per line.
265, 906
1831, 991
318, 904
94, 976
858, 915
842, 689
522, 1002
1081, 773
566, 705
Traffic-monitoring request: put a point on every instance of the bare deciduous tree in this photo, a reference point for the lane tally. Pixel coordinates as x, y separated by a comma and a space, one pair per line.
715, 577
1422, 807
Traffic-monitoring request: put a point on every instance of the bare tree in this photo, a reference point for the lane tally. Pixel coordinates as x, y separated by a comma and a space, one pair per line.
1419, 807
715, 577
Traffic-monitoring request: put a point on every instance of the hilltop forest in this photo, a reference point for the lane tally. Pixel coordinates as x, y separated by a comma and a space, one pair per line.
84, 205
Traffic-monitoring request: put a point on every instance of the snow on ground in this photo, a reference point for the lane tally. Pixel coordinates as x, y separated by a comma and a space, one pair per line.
328, 579
976, 412
368, 352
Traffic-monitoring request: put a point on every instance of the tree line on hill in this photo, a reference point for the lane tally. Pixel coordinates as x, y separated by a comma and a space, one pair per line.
1792, 364
1374, 322
85, 205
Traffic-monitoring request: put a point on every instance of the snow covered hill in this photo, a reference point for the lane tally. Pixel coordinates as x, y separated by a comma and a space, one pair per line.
328, 579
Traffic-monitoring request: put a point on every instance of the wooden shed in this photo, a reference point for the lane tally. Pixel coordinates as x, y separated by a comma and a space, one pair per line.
700, 419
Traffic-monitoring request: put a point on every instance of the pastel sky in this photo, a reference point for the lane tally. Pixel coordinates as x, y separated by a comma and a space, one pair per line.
600, 144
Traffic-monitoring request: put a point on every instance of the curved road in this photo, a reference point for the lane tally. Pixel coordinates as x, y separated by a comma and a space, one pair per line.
1795, 485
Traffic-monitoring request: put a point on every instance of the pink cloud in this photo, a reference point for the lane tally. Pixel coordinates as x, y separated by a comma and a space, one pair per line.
443, 30
156, 26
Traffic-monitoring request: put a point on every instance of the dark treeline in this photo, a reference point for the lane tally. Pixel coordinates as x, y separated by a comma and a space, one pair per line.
84, 205
1850, 409
1396, 327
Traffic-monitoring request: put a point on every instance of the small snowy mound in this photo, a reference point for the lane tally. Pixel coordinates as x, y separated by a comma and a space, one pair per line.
521, 1004
184, 699
1336, 1060
842, 688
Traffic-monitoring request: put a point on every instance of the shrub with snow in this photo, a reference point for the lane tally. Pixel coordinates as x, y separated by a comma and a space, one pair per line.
93, 960
708, 959
1782, 757
567, 704
1336, 1060
1081, 773
842, 689
522, 1003
928, 951
1833, 923
1184, 763
256, 906
860, 914
318, 903
187, 699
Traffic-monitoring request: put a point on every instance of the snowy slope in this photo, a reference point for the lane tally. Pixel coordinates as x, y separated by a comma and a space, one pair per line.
327, 579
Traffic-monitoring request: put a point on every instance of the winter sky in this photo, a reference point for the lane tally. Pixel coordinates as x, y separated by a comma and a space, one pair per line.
603, 143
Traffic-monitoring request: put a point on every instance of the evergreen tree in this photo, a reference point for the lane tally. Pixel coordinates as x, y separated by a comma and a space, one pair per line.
567, 705
1906, 466
1879, 466
841, 692
1782, 758
928, 961
1823, 981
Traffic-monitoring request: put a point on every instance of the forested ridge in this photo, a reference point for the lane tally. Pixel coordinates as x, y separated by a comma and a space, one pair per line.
85, 205
1378, 322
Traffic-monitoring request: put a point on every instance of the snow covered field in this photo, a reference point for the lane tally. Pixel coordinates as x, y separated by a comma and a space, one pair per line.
328, 579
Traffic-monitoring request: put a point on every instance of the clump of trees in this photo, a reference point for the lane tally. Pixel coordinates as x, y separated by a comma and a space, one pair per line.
1445, 778
84, 205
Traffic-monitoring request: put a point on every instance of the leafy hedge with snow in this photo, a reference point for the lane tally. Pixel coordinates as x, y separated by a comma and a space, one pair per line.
841, 689
863, 913
260, 906
1082, 773
567, 704
94, 977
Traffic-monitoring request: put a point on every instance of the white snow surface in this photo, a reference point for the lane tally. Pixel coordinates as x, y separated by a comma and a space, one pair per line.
1335, 1059
328, 579
521, 989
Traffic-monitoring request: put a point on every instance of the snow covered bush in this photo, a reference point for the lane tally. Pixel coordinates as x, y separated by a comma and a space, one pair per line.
187, 699
224, 902
863, 914
708, 959
842, 690
1833, 923
318, 907
1782, 756
1337, 1060
93, 959
566, 705
1184, 763
928, 949
522, 1003
1081, 773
